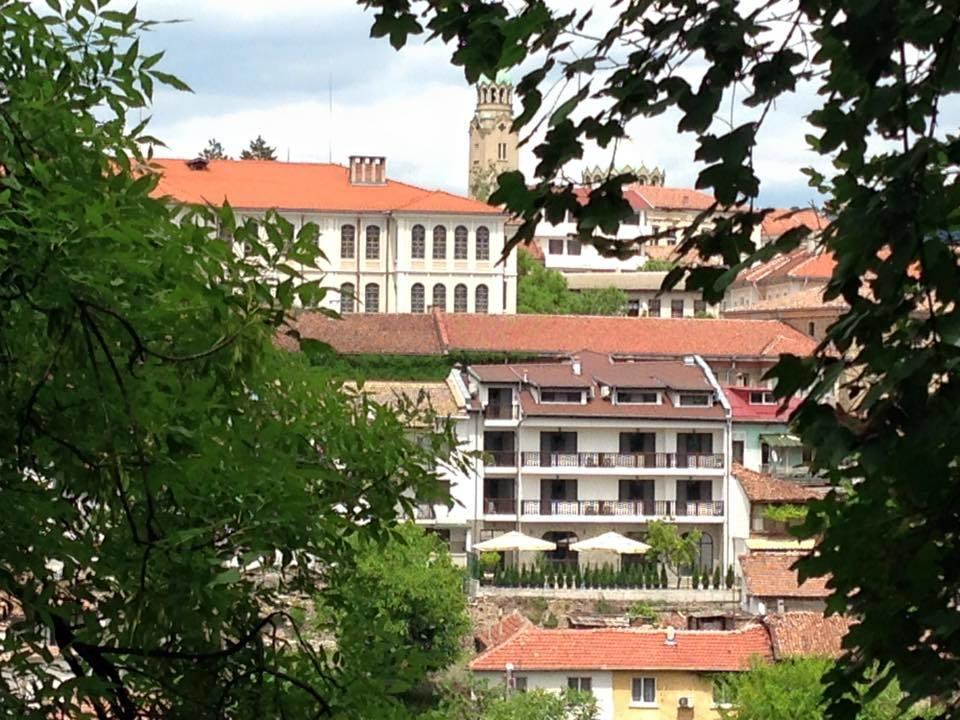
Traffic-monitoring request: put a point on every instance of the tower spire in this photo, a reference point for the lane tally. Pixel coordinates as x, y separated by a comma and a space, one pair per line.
493, 142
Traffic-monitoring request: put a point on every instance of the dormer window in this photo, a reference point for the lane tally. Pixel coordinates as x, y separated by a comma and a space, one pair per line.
561, 396
693, 400
638, 397
762, 397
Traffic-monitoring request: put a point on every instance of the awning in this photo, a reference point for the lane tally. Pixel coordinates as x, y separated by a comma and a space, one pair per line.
514, 541
611, 542
781, 440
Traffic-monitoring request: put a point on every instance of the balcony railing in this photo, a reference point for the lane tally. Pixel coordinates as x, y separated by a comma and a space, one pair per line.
424, 511
499, 506
713, 461
632, 508
499, 412
500, 458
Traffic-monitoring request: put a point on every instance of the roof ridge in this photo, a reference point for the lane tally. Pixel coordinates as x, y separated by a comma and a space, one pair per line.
441, 329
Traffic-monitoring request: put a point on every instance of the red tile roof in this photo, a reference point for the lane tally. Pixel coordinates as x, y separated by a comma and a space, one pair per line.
810, 298
627, 649
807, 633
744, 411
763, 487
799, 264
667, 198
440, 332
502, 630
777, 222
265, 184
770, 575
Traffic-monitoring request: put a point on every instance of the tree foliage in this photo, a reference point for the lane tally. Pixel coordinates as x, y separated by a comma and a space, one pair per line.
214, 151
671, 547
479, 701
543, 291
398, 614
878, 75
258, 150
155, 443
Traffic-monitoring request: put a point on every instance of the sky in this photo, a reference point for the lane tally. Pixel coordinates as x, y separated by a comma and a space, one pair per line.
269, 68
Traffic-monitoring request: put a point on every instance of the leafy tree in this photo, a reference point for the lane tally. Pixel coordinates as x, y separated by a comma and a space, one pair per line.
543, 291
793, 690
669, 546
878, 75
259, 150
398, 613
655, 265
214, 151
483, 181
155, 443
479, 701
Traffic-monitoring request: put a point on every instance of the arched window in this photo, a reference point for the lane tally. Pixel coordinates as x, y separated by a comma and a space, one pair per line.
460, 298
481, 302
440, 296
704, 559
483, 243
439, 242
371, 298
346, 298
417, 298
348, 241
460, 243
418, 242
372, 249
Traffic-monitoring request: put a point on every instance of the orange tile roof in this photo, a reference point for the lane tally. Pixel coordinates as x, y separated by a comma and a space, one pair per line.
320, 187
502, 630
627, 649
796, 634
440, 332
799, 264
770, 575
763, 487
667, 198
810, 298
777, 222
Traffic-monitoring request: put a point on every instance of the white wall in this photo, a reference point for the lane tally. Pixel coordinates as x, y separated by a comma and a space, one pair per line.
601, 681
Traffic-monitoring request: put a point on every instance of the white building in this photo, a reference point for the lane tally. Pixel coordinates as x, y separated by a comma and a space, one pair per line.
644, 296
391, 247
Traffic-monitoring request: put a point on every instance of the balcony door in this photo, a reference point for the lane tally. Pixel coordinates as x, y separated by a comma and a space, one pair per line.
640, 494
556, 448
557, 497
692, 445
499, 496
692, 492
638, 442
499, 403
500, 448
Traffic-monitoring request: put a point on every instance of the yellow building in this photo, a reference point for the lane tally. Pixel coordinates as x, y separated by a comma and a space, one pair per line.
677, 694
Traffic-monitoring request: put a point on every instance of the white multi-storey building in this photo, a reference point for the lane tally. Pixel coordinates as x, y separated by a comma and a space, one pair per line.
391, 247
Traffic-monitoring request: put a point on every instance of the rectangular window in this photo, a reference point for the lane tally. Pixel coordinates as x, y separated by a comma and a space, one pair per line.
632, 220
762, 398
633, 307
520, 683
583, 684
561, 396
738, 451
638, 442
637, 397
694, 399
555, 246
653, 307
644, 691
676, 308
699, 307
501, 151
722, 691
573, 246
694, 443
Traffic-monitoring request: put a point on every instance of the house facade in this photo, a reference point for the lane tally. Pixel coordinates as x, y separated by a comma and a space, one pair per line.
634, 674
390, 247
644, 295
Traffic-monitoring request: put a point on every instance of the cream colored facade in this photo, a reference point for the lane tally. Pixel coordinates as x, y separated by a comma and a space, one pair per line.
493, 143
671, 686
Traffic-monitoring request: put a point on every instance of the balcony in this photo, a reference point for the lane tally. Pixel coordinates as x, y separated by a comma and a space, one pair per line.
624, 508
703, 461
499, 412
500, 458
499, 506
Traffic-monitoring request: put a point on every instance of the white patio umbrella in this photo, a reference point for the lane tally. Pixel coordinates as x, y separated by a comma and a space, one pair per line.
514, 540
611, 542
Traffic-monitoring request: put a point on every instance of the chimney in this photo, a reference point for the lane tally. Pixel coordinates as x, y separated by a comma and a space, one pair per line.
198, 163
368, 170
576, 366
671, 636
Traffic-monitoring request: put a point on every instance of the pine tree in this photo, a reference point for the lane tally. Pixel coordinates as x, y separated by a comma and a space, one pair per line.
259, 150
716, 578
214, 151
730, 578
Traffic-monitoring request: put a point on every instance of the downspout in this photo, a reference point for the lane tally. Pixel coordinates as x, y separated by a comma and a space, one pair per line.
727, 452
387, 274
519, 489
356, 256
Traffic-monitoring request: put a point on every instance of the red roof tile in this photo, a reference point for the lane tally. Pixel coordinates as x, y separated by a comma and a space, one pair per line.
355, 334
763, 487
807, 633
667, 198
770, 575
264, 184
627, 649
744, 411
502, 630
777, 222
798, 264
810, 298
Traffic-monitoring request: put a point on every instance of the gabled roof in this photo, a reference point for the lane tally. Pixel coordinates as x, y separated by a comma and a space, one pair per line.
798, 634
770, 575
441, 332
763, 487
744, 411
777, 222
318, 187
667, 198
799, 264
440, 395
810, 298
627, 649
502, 630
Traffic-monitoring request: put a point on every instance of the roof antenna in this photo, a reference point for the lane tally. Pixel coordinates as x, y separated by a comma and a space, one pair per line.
330, 117
288, 154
